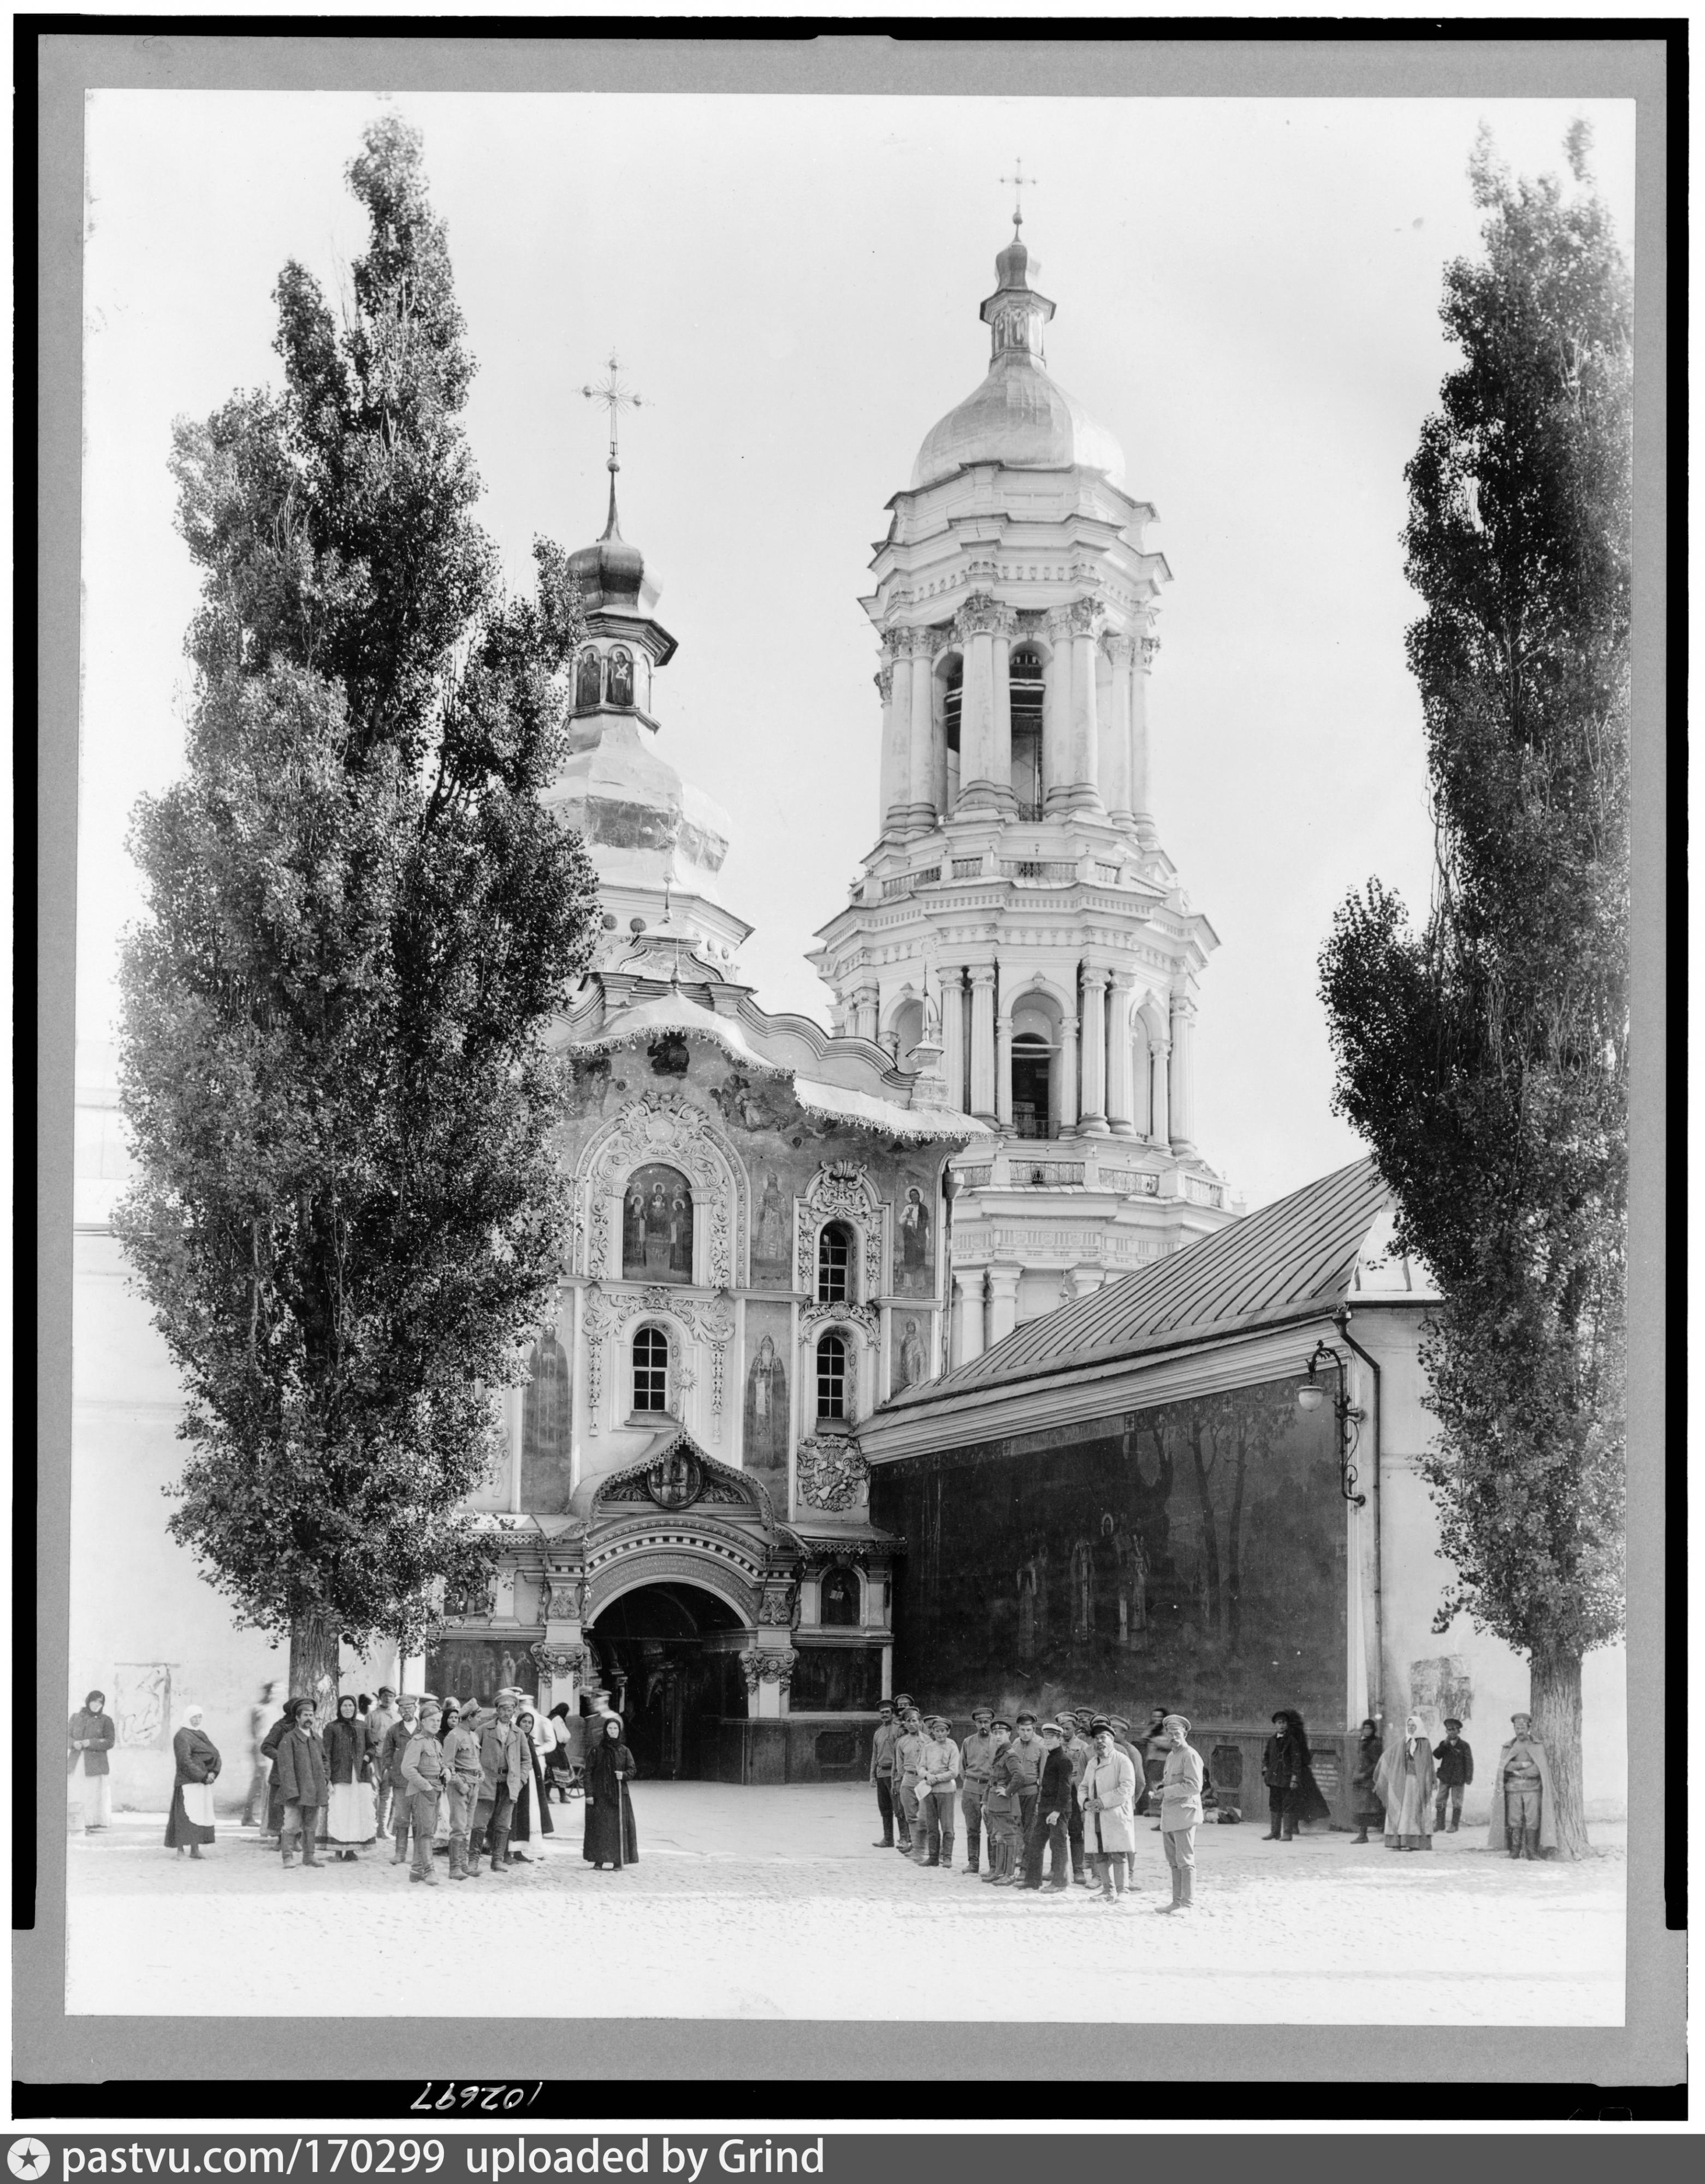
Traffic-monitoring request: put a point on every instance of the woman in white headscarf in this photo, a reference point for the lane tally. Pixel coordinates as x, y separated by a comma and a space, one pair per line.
189, 1824
1405, 1784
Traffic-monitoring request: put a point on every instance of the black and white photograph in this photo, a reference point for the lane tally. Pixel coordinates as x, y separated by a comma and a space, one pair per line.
853, 1044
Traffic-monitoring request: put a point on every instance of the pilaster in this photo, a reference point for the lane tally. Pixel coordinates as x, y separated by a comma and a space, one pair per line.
983, 1040
1093, 1095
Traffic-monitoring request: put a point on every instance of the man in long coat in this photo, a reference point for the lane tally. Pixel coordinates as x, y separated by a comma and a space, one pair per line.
504, 1767
1053, 1800
1108, 1796
91, 1737
1524, 1802
300, 1765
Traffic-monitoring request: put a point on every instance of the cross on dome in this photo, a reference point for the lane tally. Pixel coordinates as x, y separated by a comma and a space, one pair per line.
1020, 180
615, 398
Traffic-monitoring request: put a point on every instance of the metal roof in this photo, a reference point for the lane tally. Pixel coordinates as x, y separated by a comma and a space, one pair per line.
1298, 1256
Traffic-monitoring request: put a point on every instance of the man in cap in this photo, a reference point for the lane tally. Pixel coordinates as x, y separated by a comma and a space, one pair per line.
1025, 1759
882, 1745
463, 1775
1121, 1742
503, 1770
1048, 1831
1000, 1808
1524, 1808
907, 1747
1078, 1751
937, 1785
1181, 1782
380, 1720
423, 1780
978, 1758
1155, 1747
1455, 1765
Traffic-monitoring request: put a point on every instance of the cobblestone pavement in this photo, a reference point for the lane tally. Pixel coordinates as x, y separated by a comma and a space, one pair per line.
773, 1903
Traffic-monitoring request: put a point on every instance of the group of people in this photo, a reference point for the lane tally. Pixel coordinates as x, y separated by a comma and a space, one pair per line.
1064, 1793
1073, 1788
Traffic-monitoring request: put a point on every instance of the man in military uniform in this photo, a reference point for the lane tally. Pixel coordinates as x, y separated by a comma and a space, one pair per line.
1076, 1749
460, 1746
938, 1784
882, 1745
1025, 1757
907, 1747
977, 1757
1523, 1806
1000, 1808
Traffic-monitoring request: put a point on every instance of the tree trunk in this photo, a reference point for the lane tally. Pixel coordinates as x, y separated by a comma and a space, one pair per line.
314, 1662
1554, 1695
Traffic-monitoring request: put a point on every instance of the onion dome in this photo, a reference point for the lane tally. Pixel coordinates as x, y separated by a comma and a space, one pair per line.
611, 571
1019, 417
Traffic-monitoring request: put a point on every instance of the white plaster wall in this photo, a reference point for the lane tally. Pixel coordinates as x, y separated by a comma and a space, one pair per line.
1414, 1577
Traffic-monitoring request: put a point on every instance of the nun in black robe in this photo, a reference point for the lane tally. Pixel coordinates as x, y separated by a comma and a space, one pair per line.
610, 1838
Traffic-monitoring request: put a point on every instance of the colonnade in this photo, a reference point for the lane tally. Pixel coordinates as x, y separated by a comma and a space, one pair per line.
1098, 1086
1095, 716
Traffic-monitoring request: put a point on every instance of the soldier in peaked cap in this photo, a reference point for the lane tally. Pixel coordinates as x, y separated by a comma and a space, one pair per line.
1001, 1815
977, 1760
883, 1741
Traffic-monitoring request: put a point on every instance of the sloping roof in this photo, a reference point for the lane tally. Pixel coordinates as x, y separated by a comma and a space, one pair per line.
1295, 1257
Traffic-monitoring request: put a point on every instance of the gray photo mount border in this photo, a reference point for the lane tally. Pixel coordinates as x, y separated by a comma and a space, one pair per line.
49, 2047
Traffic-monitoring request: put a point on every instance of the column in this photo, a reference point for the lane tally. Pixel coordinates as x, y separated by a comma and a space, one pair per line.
1057, 715
1119, 1119
1066, 1072
926, 770
983, 1040
953, 1036
1004, 795
865, 1011
896, 754
514, 1402
1142, 661
1093, 1097
1115, 749
1180, 1091
967, 1313
1003, 1301
1086, 767
1160, 1052
1003, 1070
975, 629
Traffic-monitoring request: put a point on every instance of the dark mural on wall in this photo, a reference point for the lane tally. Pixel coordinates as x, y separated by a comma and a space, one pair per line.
914, 1238
835, 1680
546, 1479
1193, 1554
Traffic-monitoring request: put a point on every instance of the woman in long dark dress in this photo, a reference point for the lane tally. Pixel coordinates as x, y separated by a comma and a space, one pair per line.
610, 1838
1365, 1807
532, 1791
189, 1824
1293, 1794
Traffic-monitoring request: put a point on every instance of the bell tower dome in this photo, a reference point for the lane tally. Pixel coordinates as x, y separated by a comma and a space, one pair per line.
1017, 884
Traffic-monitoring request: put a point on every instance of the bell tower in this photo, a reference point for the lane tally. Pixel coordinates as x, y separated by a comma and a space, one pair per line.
1019, 888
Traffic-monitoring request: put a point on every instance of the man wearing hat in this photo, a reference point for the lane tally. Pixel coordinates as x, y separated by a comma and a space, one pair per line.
463, 1773
423, 1779
1000, 1808
503, 1771
907, 1747
380, 1720
937, 1785
1025, 1759
1107, 1795
881, 1746
1078, 1751
1455, 1765
397, 1742
1181, 1782
1054, 1800
978, 1759
1524, 1807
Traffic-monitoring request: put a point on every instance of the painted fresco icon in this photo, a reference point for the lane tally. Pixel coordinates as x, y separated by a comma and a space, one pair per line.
142, 1703
766, 1411
676, 1481
908, 1365
657, 1226
670, 1055
913, 1276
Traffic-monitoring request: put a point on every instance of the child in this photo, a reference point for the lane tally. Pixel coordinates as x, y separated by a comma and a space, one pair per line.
1455, 1765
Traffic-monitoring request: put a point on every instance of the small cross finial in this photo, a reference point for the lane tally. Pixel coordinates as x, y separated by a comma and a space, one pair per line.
615, 398
1020, 180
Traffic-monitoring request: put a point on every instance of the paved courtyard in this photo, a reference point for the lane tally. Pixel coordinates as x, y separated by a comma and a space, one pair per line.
772, 1903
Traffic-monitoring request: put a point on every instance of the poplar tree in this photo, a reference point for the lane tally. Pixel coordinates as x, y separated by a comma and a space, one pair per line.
1485, 1060
360, 919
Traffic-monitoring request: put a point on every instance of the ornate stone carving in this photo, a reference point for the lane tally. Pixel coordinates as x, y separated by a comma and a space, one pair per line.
981, 615
664, 1126
864, 1316
555, 1661
563, 1591
1081, 613
1118, 648
760, 1665
883, 679
1151, 646
776, 1608
831, 1473
597, 1321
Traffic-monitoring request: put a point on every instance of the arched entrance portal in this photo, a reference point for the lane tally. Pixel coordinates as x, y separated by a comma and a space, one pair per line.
670, 1657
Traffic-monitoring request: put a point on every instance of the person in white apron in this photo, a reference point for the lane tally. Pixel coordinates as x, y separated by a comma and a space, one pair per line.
189, 1824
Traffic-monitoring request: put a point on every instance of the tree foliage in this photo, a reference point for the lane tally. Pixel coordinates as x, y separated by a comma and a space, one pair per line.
1485, 1060
360, 916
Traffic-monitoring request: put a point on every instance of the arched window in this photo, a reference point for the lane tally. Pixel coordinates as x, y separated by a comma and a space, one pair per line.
586, 681
651, 1369
834, 1264
621, 677
832, 1377
657, 1226
1024, 675
1030, 1070
840, 1596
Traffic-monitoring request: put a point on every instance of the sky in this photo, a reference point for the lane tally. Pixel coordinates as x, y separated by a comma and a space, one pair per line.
1248, 295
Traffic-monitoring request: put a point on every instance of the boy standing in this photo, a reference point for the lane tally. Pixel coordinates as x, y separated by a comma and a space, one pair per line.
1455, 1765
